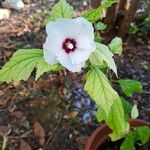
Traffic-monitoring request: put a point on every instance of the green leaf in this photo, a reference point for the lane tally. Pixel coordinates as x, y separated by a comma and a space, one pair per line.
108, 56
61, 10
101, 55
108, 3
20, 65
100, 26
117, 120
99, 89
97, 58
111, 109
128, 143
100, 114
129, 86
43, 67
127, 108
116, 46
134, 112
143, 133
94, 15
97, 37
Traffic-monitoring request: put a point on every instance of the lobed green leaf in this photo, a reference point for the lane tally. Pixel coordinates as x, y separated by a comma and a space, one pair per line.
110, 105
116, 119
61, 10
43, 67
100, 114
97, 58
102, 55
20, 65
99, 88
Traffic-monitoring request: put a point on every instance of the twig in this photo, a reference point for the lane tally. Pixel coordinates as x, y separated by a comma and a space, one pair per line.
115, 81
5, 139
25, 135
51, 137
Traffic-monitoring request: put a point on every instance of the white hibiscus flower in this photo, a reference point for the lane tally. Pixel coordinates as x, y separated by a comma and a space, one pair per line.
69, 42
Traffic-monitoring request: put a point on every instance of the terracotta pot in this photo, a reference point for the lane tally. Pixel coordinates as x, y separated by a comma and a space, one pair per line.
102, 133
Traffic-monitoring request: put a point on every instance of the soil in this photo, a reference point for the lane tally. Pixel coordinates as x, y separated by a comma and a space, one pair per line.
55, 112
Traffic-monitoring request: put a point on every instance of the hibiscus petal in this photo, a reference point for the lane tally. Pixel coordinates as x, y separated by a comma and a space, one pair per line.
86, 44
79, 56
65, 60
75, 27
52, 46
85, 27
50, 27
67, 27
85, 37
50, 58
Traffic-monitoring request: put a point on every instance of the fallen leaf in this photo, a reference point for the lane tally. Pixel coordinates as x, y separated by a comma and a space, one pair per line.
39, 133
36, 102
17, 114
16, 84
5, 130
24, 145
71, 115
64, 91
75, 132
4, 101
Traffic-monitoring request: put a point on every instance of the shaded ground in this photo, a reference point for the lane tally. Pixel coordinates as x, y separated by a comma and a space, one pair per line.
55, 112
135, 64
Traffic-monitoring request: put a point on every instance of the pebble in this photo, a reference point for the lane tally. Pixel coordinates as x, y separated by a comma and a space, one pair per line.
14, 4
4, 14
85, 3
77, 105
87, 102
86, 116
79, 90
80, 102
68, 96
70, 136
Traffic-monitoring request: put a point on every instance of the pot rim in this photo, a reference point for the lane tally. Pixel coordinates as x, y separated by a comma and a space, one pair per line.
103, 131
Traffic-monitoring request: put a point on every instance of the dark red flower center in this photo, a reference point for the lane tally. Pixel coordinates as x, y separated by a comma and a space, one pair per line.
69, 45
